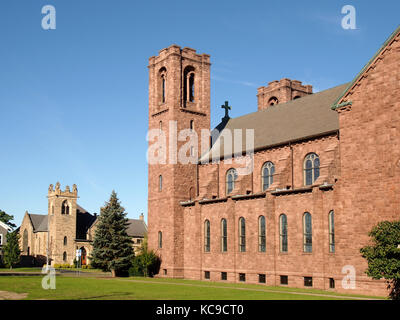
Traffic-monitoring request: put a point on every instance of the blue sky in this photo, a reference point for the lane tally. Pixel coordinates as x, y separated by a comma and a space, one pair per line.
74, 101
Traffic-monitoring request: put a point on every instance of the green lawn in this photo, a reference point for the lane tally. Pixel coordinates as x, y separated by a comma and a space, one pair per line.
152, 289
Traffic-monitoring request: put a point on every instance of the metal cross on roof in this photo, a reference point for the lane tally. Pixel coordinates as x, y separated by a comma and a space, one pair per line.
226, 107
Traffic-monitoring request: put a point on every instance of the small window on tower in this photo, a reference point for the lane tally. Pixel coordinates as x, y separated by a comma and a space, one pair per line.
273, 101
65, 207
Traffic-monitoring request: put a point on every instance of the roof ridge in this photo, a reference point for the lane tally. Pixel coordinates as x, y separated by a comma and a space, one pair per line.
366, 66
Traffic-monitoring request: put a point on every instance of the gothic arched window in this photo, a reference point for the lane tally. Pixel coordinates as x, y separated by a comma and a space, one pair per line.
189, 84
261, 234
207, 236
65, 241
231, 177
163, 84
25, 241
64, 256
307, 232
65, 207
283, 233
311, 169
224, 236
267, 173
242, 235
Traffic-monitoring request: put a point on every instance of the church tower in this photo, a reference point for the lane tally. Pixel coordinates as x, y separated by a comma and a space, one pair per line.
62, 223
179, 99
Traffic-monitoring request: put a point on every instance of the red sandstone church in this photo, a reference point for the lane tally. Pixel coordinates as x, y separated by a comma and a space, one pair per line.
326, 170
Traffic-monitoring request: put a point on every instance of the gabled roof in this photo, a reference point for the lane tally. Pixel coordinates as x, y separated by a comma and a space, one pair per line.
137, 228
366, 67
306, 117
84, 220
4, 226
39, 222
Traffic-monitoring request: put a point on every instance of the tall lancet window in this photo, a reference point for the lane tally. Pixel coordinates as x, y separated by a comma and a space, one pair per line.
189, 84
307, 232
163, 84
207, 236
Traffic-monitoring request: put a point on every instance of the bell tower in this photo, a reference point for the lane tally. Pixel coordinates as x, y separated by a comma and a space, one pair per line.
62, 223
179, 102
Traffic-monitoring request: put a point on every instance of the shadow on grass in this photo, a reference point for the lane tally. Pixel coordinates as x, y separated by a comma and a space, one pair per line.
117, 294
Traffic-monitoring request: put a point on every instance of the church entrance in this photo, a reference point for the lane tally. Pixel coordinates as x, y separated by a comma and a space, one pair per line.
83, 256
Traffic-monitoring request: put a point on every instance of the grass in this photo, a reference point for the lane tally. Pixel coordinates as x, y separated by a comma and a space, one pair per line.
86, 288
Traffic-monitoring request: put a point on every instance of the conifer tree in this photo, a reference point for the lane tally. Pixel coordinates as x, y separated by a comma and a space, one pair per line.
11, 251
112, 247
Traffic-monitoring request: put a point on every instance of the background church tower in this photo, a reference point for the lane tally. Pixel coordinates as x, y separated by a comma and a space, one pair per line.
179, 90
62, 222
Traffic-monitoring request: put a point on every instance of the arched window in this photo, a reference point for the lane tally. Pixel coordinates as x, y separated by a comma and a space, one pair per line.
307, 232
64, 256
267, 174
231, 177
163, 84
25, 242
261, 234
188, 84
283, 235
65, 241
191, 125
207, 236
160, 183
65, 207
311, 169
273, 101
331, 231
159, 239
224, 236
242, 235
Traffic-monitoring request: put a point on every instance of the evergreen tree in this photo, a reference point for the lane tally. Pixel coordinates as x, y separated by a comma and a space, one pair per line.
11, 251
6, 218
384, 255
112, 247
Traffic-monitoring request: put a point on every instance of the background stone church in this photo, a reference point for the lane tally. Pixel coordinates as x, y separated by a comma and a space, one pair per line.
66, 228
326, 170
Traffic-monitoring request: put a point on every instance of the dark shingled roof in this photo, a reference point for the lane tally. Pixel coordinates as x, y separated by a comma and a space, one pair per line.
137, 228
84, 220
306, 117
39, 222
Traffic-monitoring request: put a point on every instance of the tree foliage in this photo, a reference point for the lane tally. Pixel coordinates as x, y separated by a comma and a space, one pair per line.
11, 251
146, 263
384, 255
112, 247
6, 218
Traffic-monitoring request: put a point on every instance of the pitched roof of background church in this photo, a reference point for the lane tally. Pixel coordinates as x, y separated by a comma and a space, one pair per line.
303, 118
39, 222
137, 228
